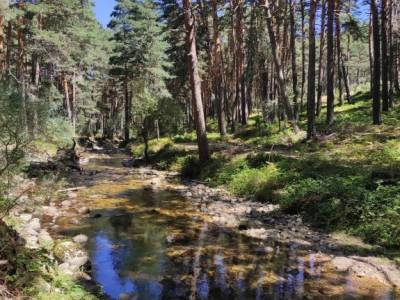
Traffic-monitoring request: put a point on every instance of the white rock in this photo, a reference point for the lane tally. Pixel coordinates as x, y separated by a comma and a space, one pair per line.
76, 263
341, 263
25, 217
81, 239
34, 224
83, 211
66, 203
50, 211
44, 239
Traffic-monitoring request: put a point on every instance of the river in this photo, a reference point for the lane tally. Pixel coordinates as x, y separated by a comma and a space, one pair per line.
153, 243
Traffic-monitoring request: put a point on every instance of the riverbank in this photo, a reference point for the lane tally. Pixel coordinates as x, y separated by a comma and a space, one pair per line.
347, 181
35, 263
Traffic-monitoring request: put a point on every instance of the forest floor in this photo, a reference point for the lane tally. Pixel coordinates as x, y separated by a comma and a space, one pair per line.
344, 182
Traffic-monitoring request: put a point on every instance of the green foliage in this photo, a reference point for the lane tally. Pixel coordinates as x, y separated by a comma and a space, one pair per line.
190, 137
380, 218
13, 140
256, 182
65, 288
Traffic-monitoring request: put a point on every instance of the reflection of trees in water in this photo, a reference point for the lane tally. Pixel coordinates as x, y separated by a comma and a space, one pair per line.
200, 261
121, 222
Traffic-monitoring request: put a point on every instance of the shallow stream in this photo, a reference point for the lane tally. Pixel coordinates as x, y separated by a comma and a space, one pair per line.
147, 243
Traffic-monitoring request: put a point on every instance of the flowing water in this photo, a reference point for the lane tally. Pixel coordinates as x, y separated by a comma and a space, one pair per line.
154, 244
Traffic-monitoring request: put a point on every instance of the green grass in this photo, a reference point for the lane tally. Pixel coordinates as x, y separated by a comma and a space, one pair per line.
347, 180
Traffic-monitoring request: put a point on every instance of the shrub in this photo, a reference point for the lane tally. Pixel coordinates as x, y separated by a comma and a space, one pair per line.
330, 202
254, 181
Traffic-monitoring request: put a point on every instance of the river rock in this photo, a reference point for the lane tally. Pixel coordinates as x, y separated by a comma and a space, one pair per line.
34, 224
77, 262
27, 231
31, 242
64, 250
80, 239
66, 203
72, 195
50, 211
341, 263
25, 217
83, 211
365, 269
74, 221
45, 240
124, 296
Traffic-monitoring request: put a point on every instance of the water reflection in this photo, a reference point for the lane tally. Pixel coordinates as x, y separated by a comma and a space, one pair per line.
105, 262
151, 245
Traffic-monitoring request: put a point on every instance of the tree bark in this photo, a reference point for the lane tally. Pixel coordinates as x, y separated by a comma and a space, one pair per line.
376, 76
311, 73
67, 102
293, 55
330, 65
321, 55
391, 53
2, 58
303, 52
128, 113
195, 81
385, 61
240, 88
338, 51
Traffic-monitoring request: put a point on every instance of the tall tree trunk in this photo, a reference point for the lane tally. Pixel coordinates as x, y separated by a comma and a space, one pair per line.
251, 57
391, 53
338, 51
128, 108
376, 76
321, 55
2, 56
371, 53
385, 60
303, 52
330, 65
346, 80
207, 80
21, 50
311, 73
218, 70
73, 102
232, 69
67, 102
195, 81
240, 88
9, 47
293, 55
278, 67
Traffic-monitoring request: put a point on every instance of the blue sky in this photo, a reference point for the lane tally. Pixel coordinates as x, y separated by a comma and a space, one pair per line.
103, 9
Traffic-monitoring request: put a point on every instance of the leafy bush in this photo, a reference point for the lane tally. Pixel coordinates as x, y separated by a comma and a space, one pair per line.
330, 202
259, 182
380, 217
